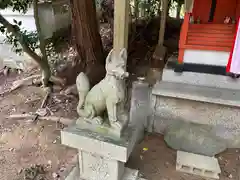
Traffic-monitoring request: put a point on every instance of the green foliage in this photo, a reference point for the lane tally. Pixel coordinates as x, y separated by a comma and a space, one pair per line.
31, 38
98, 3
171, 4
16, 5
179, 1
150, 7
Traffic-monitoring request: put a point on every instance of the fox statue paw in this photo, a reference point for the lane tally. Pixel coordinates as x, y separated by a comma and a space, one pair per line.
116, 125
94, 121
97, 120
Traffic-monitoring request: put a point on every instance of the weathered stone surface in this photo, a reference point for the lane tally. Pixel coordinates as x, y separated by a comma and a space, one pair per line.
95, 167
230, 135
197, 112
140, 106
129, 174
194, 138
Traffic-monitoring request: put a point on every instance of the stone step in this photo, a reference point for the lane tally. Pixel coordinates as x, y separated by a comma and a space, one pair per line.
213, 95
201, 79
218, 108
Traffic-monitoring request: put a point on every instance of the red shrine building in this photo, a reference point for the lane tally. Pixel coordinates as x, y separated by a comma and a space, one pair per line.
208, 35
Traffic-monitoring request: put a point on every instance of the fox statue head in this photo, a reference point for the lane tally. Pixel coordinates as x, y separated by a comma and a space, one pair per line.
116, 64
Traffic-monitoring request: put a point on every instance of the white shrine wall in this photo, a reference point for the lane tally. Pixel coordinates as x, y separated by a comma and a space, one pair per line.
206, 57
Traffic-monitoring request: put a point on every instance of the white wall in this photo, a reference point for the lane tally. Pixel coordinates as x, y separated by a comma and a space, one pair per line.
218, 58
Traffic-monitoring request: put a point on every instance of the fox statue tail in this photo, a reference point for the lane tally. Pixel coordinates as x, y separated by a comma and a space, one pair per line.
83, 87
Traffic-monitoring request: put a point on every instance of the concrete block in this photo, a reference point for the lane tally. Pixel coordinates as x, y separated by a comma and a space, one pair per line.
201, 79
197, 164
95, 167
220, 96
92, 142
140, 101
140, 106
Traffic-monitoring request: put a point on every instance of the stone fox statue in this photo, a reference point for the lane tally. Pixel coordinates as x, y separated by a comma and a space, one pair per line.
107, 94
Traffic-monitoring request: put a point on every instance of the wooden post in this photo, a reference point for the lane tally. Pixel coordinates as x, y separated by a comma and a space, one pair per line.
163, 22
188, 6
121, 25
160, 52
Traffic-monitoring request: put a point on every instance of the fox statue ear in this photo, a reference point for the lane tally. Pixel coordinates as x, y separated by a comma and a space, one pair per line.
123, 54
109, 57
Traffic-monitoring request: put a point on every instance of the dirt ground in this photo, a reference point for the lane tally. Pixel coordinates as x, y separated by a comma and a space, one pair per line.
24, 144
158, 162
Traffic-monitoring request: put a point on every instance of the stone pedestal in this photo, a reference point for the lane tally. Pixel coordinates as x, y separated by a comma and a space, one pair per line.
101, 157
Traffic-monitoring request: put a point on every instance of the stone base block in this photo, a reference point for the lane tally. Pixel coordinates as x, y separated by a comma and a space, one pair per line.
197, 164
101, 157
93, 142
129, 174
93, 166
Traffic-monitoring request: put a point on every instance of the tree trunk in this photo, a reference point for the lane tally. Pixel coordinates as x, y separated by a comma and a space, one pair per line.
17, 33
46, 68
85, 27
87, 39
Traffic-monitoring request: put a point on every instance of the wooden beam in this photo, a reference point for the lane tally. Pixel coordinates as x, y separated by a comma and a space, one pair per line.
121, 25
163, 22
